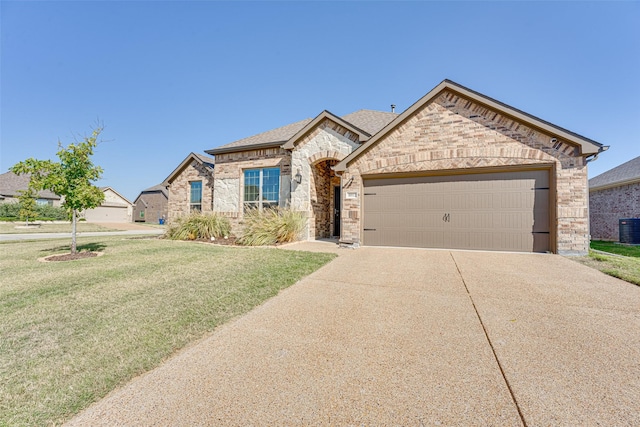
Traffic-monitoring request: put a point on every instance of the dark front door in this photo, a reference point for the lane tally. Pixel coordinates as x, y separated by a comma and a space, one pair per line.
336, 210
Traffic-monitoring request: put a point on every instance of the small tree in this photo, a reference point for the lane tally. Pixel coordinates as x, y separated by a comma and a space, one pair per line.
27, 200
70, 178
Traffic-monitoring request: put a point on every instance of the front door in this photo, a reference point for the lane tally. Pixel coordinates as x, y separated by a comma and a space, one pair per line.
336, 210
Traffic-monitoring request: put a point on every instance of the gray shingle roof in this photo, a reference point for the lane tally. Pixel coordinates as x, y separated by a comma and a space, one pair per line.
10, 183
370, 121
625, 172
159, 187
207, 161
280, 134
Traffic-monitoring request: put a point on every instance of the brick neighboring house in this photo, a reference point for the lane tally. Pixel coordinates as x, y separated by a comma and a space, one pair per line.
613, 195
457, 169
190, 186
11, 185
151, 205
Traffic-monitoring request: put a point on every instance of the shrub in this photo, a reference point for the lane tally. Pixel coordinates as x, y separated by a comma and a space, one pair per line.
11, 211
198, 226
272, 226
57, 213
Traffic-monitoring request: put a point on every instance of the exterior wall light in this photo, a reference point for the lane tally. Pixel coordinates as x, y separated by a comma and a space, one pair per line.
298, 177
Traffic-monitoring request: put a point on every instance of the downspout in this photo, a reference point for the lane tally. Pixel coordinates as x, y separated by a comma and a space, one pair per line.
591, 158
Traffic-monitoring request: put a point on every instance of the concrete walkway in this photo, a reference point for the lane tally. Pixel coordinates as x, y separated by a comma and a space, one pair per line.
409, 337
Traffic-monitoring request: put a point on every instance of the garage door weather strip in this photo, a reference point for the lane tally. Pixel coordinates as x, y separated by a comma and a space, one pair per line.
495, 356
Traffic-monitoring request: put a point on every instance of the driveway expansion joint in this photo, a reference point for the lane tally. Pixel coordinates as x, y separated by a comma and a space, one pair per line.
486, 334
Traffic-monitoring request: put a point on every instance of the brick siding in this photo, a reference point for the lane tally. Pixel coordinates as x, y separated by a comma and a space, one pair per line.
155, 208
609, 205
180, 190
454, 133
229, 179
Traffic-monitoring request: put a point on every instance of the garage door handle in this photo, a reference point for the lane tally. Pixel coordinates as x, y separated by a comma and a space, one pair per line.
446, 217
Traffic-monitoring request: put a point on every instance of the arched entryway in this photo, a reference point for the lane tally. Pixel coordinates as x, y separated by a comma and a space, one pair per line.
325, 200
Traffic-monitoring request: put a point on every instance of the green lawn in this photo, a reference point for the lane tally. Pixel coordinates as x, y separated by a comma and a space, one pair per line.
616, 248
71, 332
50, 227
623, 264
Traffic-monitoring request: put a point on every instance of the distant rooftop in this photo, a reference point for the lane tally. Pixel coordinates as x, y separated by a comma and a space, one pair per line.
10, 184
628, 171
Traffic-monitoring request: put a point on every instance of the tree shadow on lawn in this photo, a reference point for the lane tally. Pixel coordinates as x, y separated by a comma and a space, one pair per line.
88, 247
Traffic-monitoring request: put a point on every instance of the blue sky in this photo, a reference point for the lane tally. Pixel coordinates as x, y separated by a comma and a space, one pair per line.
167, 78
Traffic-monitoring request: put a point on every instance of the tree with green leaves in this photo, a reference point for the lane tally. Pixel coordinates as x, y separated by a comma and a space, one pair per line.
27, 200
71, 178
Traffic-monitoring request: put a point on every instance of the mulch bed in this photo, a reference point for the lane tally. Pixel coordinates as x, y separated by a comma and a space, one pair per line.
71, 257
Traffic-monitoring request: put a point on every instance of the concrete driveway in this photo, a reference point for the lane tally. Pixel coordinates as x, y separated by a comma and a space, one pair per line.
409, 337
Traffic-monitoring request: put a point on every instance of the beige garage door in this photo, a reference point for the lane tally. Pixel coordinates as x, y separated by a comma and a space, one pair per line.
107, 214
493, 211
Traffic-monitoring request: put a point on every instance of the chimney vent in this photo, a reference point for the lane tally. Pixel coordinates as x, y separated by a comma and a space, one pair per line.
393, 108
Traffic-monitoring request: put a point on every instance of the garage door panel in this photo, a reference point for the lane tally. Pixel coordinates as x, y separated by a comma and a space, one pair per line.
500, 211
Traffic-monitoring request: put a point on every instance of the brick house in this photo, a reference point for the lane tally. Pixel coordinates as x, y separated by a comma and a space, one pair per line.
613, 195
11, 186
457, 169
151, 205
190, 186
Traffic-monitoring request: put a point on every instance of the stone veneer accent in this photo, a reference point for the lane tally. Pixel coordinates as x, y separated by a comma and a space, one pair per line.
313, 155
609, 205
453, 133
324, 180
229, 179
180, 190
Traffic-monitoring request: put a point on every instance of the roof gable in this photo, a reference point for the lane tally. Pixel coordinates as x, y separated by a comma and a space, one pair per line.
586, 146
325, 115
162, 188
625, 173
204, 161
114, 193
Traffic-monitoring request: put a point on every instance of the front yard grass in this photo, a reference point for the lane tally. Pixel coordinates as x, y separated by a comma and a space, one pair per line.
50, 227
70, 332
616, 248
625, 264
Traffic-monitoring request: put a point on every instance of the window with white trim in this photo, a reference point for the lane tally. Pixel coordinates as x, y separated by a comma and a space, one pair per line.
261, 188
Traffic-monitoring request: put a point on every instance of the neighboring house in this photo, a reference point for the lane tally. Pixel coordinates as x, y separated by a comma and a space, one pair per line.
114, 208
190, 186
151, 204
614, 195
11, 185
457, 169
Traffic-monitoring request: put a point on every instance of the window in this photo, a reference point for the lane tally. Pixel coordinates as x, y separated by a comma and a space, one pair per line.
261, 188
44, 202
195, 201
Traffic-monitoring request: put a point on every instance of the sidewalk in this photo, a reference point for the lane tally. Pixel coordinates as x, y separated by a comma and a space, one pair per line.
124, 229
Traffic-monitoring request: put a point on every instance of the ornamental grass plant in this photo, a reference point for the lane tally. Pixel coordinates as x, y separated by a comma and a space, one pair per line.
199, 226
271, 226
